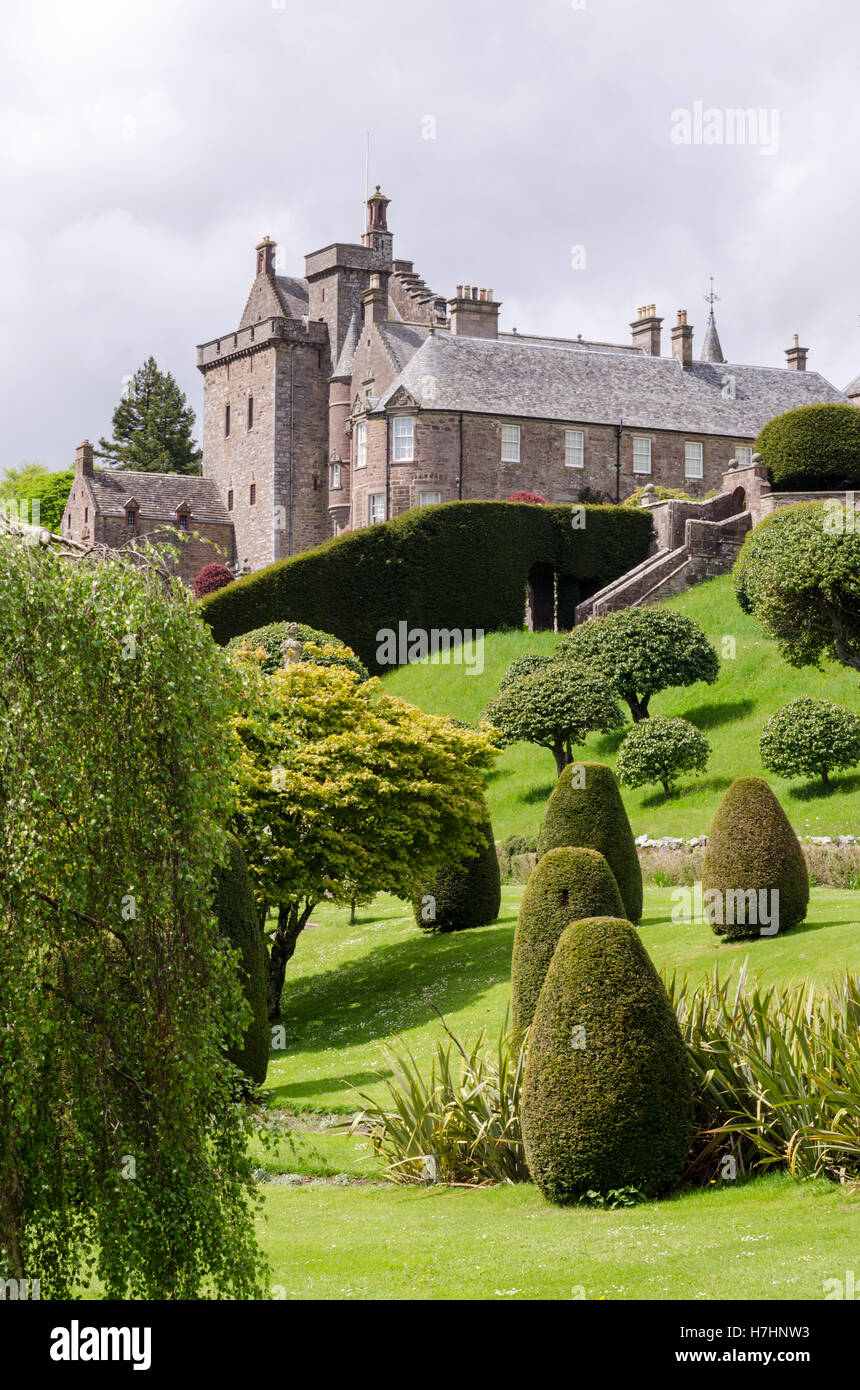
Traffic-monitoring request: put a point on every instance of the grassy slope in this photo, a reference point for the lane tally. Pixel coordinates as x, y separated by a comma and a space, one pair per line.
731, 713
349, 989
770, 1239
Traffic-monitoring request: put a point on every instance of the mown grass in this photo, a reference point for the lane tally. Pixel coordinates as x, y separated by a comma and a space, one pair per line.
731, 713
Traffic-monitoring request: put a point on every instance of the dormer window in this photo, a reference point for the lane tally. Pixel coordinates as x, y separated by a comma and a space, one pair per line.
183, 521
130, 516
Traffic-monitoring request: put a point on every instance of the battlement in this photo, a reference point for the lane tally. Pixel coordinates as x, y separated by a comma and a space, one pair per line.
260, 335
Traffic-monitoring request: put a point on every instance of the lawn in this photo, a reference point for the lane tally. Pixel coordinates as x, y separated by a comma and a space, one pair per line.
731, 713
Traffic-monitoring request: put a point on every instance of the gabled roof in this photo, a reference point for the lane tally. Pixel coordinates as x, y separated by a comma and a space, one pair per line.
293, 295
495, 377
158, 496
853, 387
275, 296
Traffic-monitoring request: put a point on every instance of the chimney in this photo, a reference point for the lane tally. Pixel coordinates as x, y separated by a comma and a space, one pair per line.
84, 460
474, 313
796, 356
682, 340
376, 236
646, 330
266, 256
375, 299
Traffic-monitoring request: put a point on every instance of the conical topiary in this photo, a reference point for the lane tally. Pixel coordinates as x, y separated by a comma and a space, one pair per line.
236, 911
566, 885
585, 808
607, 1090
463, 895
754, 876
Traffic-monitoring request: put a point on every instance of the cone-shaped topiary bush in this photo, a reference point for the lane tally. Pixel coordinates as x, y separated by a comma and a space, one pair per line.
238, 921
754, 877
607, 1091
585, 808
566, 885
463, 895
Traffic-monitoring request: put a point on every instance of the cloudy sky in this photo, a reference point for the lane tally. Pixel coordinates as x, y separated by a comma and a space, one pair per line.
533, 147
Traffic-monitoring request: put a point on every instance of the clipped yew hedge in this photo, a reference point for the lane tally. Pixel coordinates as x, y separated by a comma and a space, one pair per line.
463, 895
566, 886
752, 849
458, 565
593, 815
607, 1090
813, 447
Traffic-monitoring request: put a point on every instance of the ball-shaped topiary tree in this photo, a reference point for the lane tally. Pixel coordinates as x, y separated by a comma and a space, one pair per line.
308, 644
212, 578
641, 651
659, 750
566, 885
463, 895
236, 912
585, 808
754, 876
555, 705
814, 446
607, 1090
810, 738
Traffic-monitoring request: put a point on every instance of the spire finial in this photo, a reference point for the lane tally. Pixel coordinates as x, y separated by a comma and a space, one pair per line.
710, 297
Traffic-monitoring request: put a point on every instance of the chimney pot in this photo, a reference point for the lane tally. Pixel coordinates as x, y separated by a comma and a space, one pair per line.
682, 340
459, 291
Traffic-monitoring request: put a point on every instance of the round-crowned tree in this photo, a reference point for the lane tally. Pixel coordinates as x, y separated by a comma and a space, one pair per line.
641, 651
754, 876
567, 884
238, 922
555, 704
810, 738
586, 809
659, 749
212, 578
814, 446
607, 1090
463, 895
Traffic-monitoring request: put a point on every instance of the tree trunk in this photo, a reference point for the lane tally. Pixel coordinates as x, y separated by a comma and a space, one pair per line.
291, 922
561, 759
825, 777
638, 708
352, 912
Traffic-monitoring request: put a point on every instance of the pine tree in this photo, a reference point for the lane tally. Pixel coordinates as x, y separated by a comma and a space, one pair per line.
152, 426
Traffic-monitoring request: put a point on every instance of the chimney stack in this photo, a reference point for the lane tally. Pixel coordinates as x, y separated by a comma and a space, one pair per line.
682, 340
375, 299
646, 330
266, 256
84, 460
474, 313
796, 356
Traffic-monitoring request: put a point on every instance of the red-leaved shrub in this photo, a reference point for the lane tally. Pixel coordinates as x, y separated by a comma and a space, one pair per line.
210, 578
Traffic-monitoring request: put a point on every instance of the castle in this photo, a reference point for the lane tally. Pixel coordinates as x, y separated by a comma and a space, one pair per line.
350, 395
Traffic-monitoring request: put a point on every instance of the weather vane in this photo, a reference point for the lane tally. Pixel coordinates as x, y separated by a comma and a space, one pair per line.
712, 298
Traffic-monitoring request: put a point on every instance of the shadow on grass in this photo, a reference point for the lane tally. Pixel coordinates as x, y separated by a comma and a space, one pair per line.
712, 716
609, 743
534, 794
816, 791
382, 993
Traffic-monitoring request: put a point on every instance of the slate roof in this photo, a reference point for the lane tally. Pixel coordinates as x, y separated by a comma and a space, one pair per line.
293, 295
853, 387
347, 352
157, 495
403, 340
499, 377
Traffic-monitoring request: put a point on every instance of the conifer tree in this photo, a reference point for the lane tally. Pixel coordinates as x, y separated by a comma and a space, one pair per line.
152, 426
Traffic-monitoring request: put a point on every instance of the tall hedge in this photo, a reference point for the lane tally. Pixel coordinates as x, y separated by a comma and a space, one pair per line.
458, 565
238, 921
463, 895
814, 446
567, 884
593, 815
607, 1089
753, 849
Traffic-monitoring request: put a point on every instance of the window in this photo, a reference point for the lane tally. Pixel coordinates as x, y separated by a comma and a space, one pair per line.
87, 513
404, 438
693, 460
510, 443
130, 517
429, 499
335, 476
641, 454
361, 444
250, 412
252, 494
183, 522
574, 449
226, 420
376, 507
744, 455
230, 500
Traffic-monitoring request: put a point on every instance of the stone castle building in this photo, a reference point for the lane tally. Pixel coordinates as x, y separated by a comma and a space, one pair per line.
356, 392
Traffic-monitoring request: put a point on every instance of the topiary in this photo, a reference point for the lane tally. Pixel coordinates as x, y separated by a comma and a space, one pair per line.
566, 885
271, 638
212, 578
585, 808
463, 895
607, 1090
752, 849
810, 738
814, 446
659, 749
233, 903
